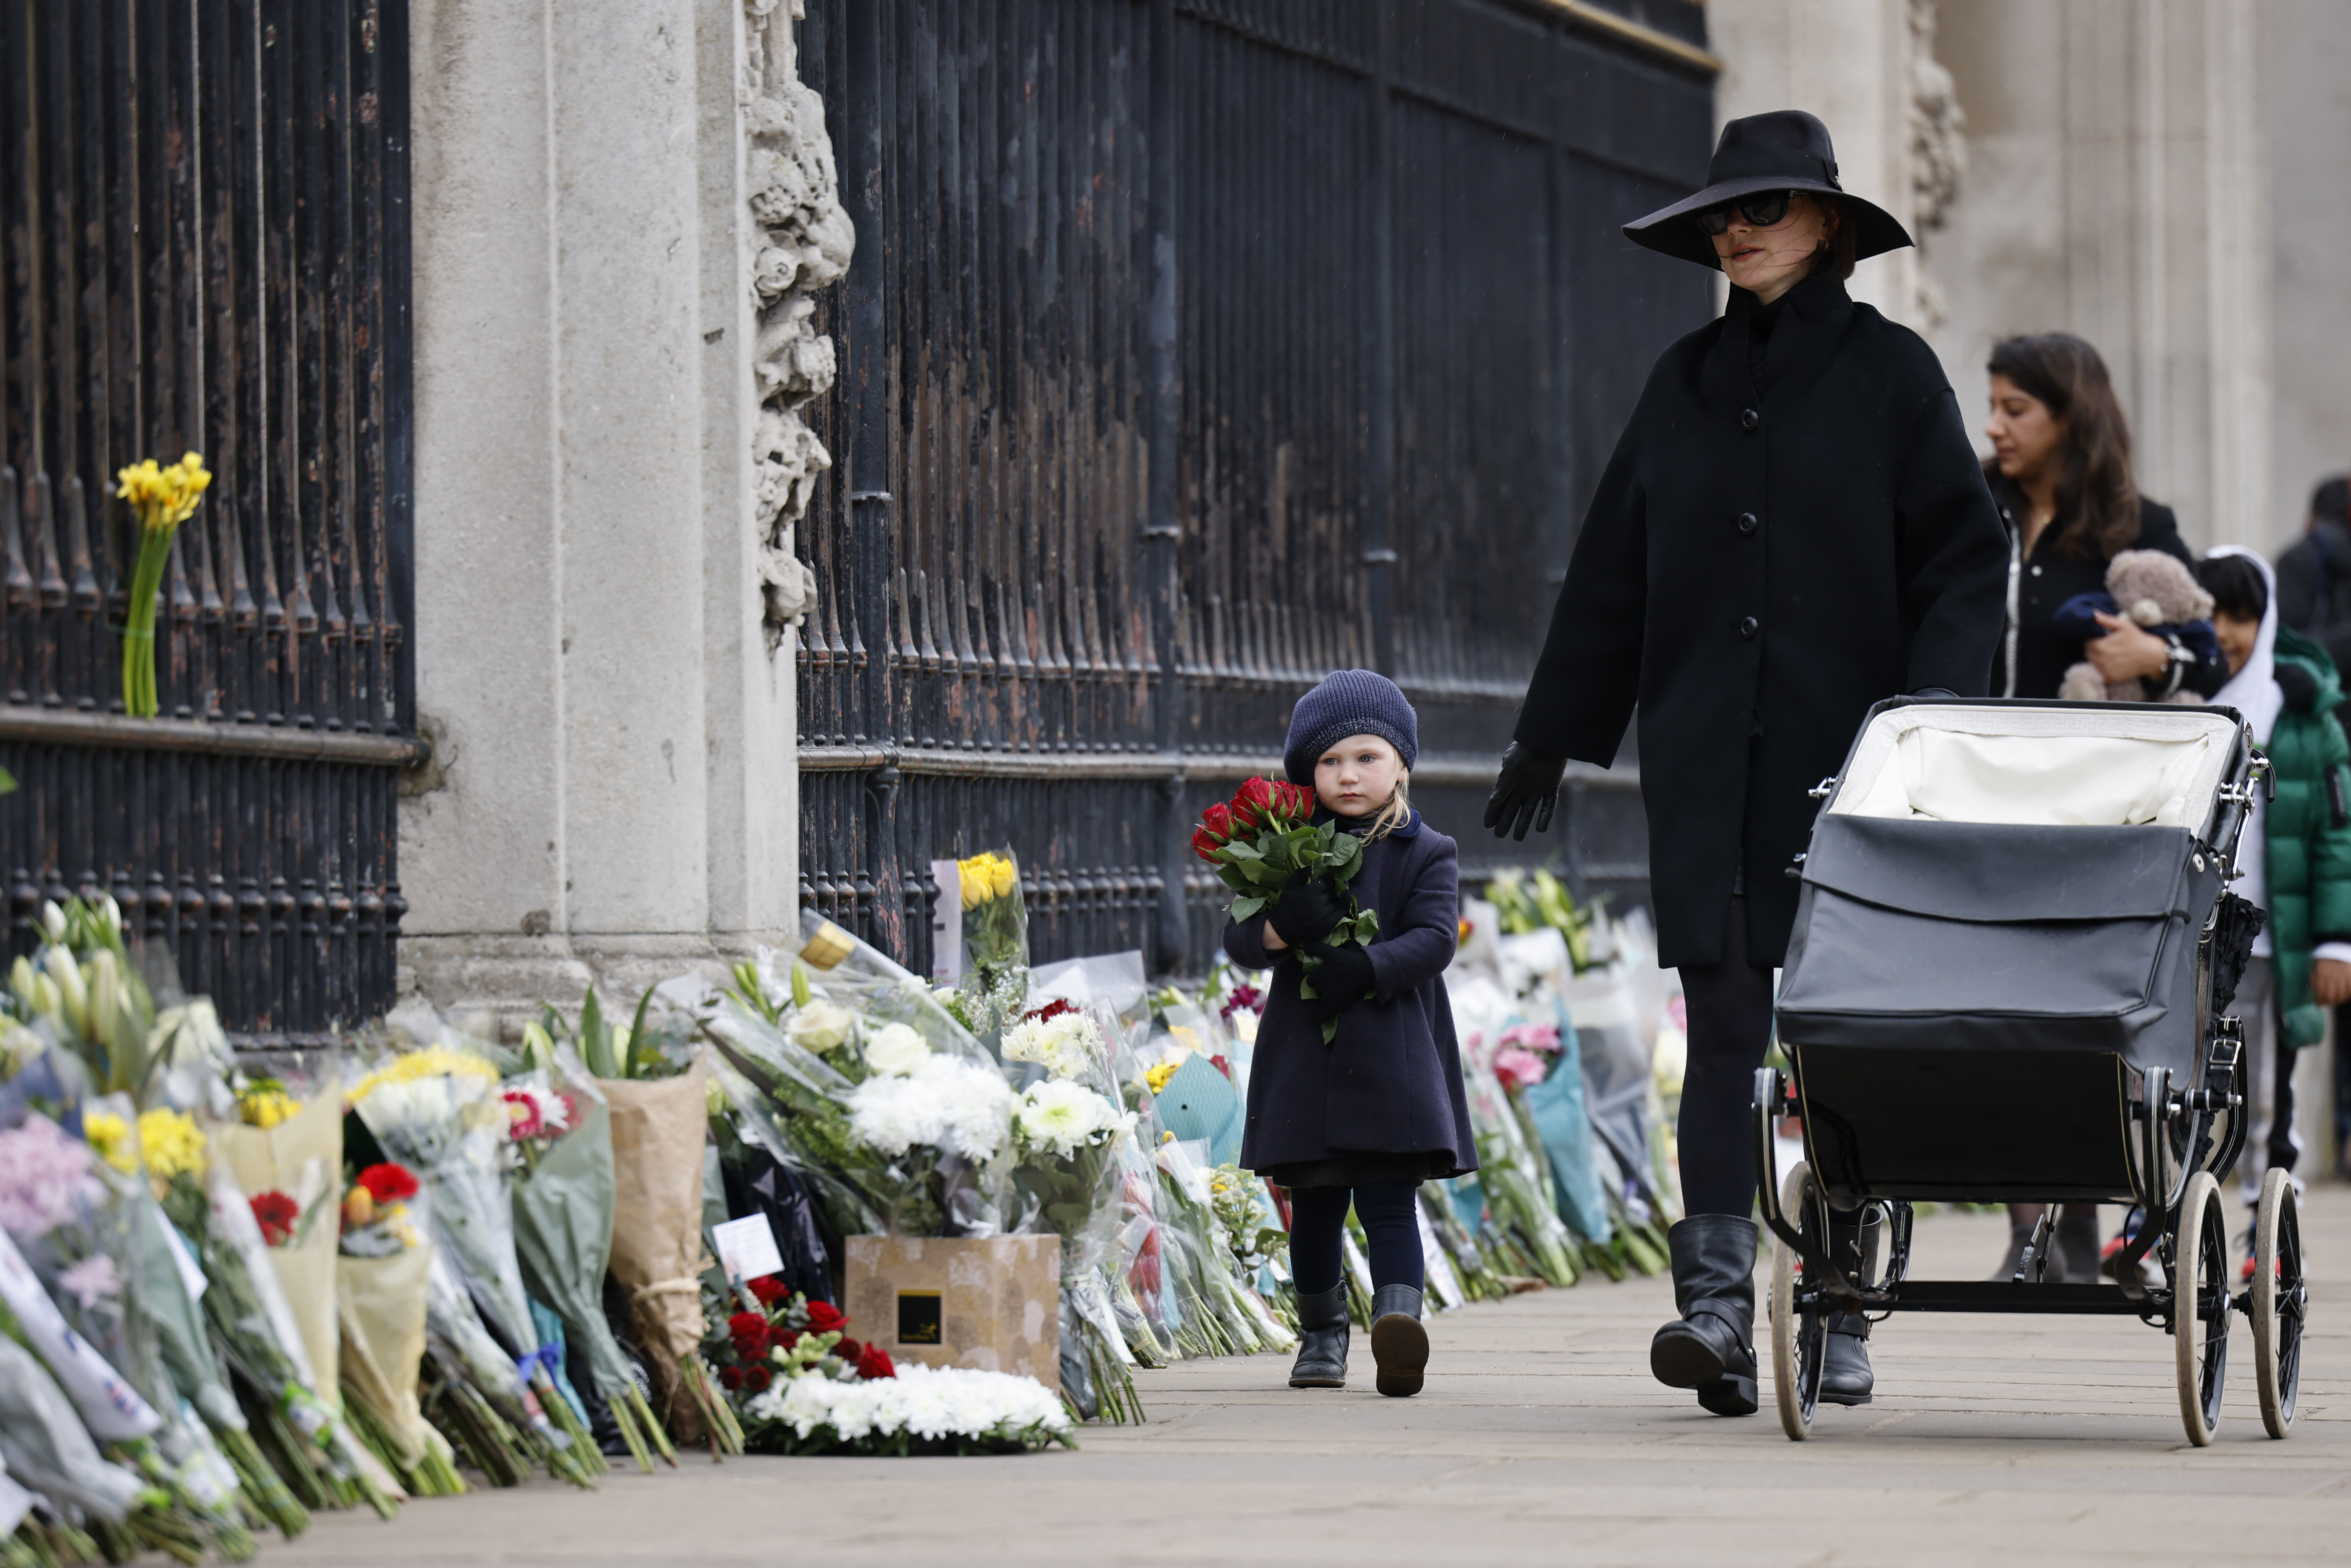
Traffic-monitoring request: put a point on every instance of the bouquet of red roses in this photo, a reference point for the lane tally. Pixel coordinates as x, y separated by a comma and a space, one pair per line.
1264, 840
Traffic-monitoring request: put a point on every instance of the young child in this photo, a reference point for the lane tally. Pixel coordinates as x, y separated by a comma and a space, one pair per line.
1367, 1118
2299, 867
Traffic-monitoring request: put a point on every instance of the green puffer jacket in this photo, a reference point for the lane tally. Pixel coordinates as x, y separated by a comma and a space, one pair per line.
2308, 832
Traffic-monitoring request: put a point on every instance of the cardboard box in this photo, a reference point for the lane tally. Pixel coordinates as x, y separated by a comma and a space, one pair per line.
992, 1303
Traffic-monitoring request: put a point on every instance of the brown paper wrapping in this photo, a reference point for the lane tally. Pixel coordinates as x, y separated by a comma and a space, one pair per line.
280, 1159
999, 1300
380, 1304
659, 1126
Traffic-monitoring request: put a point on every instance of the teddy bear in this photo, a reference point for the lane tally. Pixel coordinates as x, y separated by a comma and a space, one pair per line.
2154, 589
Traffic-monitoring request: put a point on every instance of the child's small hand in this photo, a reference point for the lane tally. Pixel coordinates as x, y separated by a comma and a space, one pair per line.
2330, 982
1305, 912
1343, 978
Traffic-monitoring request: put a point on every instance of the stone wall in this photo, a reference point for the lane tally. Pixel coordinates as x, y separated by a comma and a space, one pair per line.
620, 205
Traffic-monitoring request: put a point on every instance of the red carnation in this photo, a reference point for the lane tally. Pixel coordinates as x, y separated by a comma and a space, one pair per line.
849, 1350
732, 1376
823, 1317
875, 1362
389, 1183
757, 1379
1050, 1011
769, 1289
276, 1213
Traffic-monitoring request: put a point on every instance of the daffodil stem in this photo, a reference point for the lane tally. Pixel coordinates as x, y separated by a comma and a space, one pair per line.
139, 628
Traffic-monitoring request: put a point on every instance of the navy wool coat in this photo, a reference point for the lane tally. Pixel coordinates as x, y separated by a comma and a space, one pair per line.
1390, 1080
1779, 541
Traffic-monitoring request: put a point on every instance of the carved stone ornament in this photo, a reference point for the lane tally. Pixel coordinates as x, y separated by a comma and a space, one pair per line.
805, 244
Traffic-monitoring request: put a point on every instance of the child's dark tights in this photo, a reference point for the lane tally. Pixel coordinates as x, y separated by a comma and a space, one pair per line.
1318, 1218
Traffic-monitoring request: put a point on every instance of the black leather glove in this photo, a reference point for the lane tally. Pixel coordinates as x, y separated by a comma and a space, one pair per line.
1342, 979
1526, 792
1305, 912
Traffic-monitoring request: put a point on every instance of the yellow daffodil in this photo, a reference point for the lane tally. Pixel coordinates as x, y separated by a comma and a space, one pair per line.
163, 498
171, 1143
108, 1137
266, 1106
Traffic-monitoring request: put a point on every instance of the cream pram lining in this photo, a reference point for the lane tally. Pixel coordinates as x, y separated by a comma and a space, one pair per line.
2040, 767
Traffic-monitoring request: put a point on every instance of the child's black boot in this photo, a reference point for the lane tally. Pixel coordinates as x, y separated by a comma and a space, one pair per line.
1322, 1333
1399, 1344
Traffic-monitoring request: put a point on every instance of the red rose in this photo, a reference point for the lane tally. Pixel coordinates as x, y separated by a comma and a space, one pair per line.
732, 1376
823, 1317
849, 1350
389, 1183
769, 1289
1252, 803
747, 1324
1216, 822
275, 1214
1293, 801
875, 1362
757, 1379
783, 1339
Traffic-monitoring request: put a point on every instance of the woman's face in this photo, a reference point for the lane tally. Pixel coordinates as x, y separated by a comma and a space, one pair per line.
2236, 634
1357, 775
1769, 262
2025, 437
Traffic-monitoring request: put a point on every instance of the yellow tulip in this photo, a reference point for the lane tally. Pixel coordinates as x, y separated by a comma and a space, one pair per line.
1002, 875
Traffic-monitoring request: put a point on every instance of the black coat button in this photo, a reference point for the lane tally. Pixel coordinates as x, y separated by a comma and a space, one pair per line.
1748, 523
1749, 419
1749, 626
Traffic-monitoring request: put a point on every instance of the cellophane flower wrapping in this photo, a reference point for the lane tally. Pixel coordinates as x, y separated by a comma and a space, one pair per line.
563, 1206
288, 1139
1516, 1178
48, 1446
1226, 1310
995, 939
381, 1307
437, 1109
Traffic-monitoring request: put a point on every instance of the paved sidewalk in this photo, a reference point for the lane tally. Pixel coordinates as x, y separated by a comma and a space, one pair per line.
1541, 1438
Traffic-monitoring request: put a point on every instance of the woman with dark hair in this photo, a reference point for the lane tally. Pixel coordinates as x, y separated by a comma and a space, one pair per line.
2061, 475
2060, 472
1793, 528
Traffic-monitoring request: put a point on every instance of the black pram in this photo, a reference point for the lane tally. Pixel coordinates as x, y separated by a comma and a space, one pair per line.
2009, 981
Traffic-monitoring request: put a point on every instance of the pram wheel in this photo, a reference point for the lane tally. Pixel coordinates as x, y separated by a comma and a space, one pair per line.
2279, 1297
1799, 1328
2201, 1305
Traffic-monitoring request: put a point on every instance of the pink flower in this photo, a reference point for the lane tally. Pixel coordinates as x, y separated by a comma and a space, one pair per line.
1517, 1066
1531, 1036
93, 1277
46, 1179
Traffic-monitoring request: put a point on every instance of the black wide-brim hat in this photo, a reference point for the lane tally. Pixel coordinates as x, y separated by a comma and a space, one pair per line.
1786, 150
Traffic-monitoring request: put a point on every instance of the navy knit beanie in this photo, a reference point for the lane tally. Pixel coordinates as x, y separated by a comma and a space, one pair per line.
1349, 702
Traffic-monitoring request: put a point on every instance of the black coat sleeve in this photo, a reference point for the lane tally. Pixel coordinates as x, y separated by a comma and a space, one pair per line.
1589, 675
2297, 586
1245, 944
1952, 555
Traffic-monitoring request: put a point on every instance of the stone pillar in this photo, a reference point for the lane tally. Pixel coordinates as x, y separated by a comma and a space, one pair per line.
604, 654
2117, 190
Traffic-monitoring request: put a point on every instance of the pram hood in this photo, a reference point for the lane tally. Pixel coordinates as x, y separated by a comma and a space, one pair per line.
2014, 877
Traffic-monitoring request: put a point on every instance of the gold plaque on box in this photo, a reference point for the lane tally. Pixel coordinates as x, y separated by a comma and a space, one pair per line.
992, 1303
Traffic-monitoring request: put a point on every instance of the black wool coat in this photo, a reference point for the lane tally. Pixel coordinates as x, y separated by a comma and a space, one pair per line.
1776, 543
1390, 1080
2034, 655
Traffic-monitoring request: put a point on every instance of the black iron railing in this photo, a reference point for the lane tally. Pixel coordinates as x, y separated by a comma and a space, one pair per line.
203, 215
1194, 349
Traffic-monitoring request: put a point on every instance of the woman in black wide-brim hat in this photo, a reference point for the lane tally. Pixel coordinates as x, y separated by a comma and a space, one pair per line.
1792, 527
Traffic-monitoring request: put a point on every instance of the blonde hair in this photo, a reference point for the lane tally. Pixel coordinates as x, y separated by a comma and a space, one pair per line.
1396, 813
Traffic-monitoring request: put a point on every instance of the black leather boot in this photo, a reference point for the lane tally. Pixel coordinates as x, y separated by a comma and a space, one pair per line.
1845, 1377
1322, 1333
1399, 1344
1712, 1348
2077, 1243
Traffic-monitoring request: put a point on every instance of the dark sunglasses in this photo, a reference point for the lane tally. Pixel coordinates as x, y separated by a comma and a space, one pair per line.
1762, 209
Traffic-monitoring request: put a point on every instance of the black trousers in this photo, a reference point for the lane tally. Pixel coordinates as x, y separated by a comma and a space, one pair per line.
1391, 1216
1729, 1007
